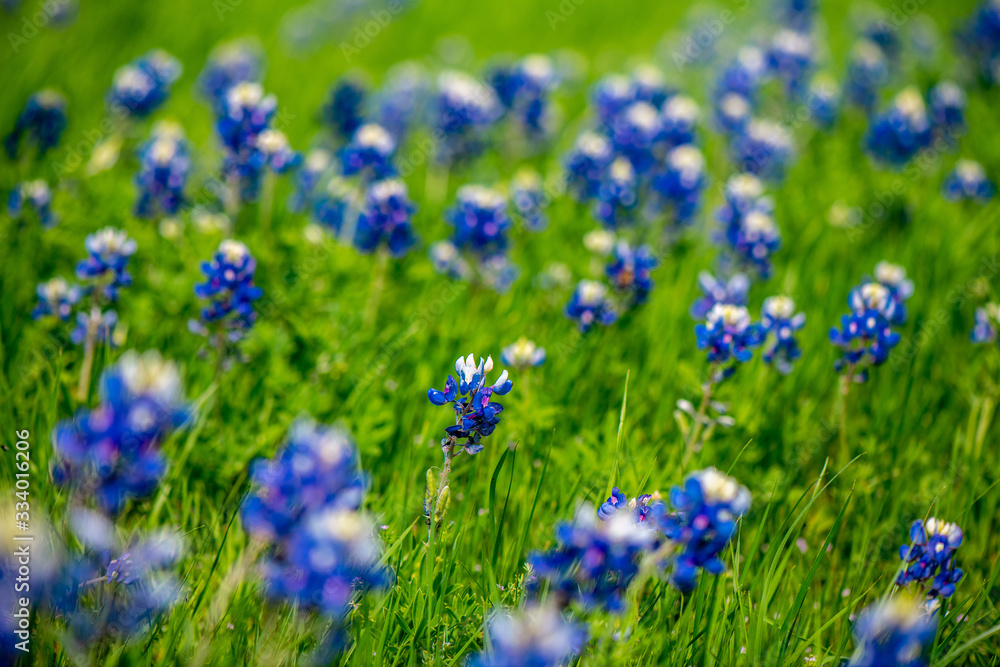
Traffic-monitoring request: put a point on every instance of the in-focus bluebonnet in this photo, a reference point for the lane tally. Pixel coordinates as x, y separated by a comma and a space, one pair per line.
897, 632
638, 507
345, 111
464, 112
987, 324
867, 73
929, 560
38, 196
539, 636
385, 217
109, 251
733, 291
728, 335
901, 131
893, 277
590, 305
706, 511
681, 181
629, 272
617, 194
164, 166
790, 59
523, 354
586, 164
947, 102
369, 153
141, 87
528, 198
968, 182
780, 322
865, 335
476, 415
230, 291
764, 149
112, 453
41, 122
228, 65
56, 298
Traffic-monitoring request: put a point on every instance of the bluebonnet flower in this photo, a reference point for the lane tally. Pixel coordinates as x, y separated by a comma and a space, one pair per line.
228, 65
448, 260
893, 277
823, 101
42, 121
230, 291
610, 96
143, 85
763, 149
867, 72
316, 164
987, 323
523, 354
246, 114
754, 240
629, 271
476, 416
109, 251
345, 111
527, 194
681, 181
113, 452
369, 153
540, 636
316, 468
790, 59
97, 324
897, 632
498, 273
679, 119
733, 113
968, 181
903, 130
980, 40
866, 334
163, 173
728, 335
39, 196
649, 85
334, 205
734, 291
797, 14
617, 194
600, 242
639, 507
879, 31
929, 561
464, 111
779, 319
703, 522
385, 217
743, 194
524, 89
636, 133
275, 152
589, 305
595, 561
56, 298
947, 108
586, 164
401, 99
480, 220
743, 75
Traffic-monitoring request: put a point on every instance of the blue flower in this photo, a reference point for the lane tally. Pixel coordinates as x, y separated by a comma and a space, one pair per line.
706, 511
764, 149
476, 416
527, 194
539, 636
987, 323
980, 40
743, 194
728, 334
480, 220
369, 153
893, 277
448, 260
968, 181
639, 507
316, 468
275, 152
743, 75
754, 240
897, 632
586, 164
401, 99
313, 168
947, 108
57, 298
39, 196
228, 65
246, 114
823, 101
681, 182
617, 194
109, 251
649, 85
230, 290
524, 91
866, 334
733, 113
113, 452
636, 133
163, 173
867, 72
790, 59
42, 121
903, 130
589, 305
797, 14
780, 322
680, 120
610, 97
143, 85
523, 354
734, 291
102, 323
595, 561
345, 110
930, 558
498, 273
629, 271
333, 206
464, 112
385, 218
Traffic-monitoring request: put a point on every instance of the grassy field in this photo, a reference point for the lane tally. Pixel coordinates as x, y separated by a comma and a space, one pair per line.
821, 540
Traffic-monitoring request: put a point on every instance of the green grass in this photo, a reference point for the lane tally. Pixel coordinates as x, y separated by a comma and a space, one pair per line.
922, 435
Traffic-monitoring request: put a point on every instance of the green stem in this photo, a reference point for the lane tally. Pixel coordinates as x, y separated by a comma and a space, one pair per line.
845, 390
696, 428
378, 284
83, 390
267, 203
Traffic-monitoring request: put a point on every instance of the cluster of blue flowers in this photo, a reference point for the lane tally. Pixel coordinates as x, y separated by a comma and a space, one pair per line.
538, 636
112, 453
728, 336
38, 196
780, 322
749, 236
476, 416
41, 122
929, 559
142, 86
231, 293
897, 632
164, 166
228, 65
523, 89
987, 324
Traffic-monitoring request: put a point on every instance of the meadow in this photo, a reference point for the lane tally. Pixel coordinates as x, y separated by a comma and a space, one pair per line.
357, 339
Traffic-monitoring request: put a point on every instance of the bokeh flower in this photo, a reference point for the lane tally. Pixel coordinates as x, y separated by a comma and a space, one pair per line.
898, 632
987, 324
228, 65
523, 354
142, 86
369, 153
109, 251
734, 291
728, 334
929, 559
386, 218
528, 199
345, 109
56, 297
41, 122
903, 130
538, 636
968, 181
629, 271
589, 305
780, 322
163, 173
480, 220
38, 196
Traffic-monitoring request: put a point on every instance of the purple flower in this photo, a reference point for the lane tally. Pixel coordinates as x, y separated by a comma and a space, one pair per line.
735, 291
163, 173
539, 636
56, 298
900, 132
230, 291
589, 305
897, 632
476, 416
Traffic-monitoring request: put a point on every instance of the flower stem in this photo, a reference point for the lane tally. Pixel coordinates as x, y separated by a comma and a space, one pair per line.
267, 203
378, 284
88, 353
699, 419
845, 390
